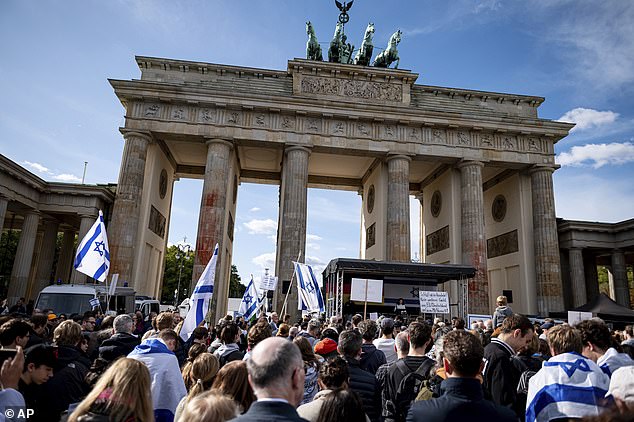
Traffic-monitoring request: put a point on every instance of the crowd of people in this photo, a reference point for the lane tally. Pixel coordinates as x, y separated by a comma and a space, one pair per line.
93, 367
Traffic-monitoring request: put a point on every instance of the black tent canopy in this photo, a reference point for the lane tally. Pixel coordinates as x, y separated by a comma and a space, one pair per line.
607, 309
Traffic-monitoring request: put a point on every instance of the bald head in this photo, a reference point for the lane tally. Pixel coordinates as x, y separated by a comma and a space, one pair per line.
272, 362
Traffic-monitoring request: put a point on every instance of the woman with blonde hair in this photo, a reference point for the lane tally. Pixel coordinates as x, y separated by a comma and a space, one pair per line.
123, 393
210, 406
233, 380
201, 376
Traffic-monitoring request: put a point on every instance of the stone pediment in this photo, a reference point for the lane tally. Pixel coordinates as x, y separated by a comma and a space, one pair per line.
343, 82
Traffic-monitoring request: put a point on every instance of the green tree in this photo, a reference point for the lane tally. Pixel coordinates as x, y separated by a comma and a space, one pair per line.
236, 289
177, 261
8, 246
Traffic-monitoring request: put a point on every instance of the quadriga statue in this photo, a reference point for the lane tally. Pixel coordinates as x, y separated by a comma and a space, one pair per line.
364, 55
336, 44
390, 54
313, 49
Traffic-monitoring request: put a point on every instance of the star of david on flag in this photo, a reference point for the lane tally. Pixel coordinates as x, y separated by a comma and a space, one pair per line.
310, 298
250, 301
199, 302
93, 255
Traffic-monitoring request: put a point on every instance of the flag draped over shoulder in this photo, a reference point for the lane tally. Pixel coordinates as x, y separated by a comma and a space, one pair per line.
199, 302
93, 254
250, 301
168, 387
568, 385
309, 296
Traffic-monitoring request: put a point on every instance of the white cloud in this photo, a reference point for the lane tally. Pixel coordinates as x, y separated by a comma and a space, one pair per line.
254, 209
587, 118
69, 178
36, 167
598, 155
311, 242
42, 169
267, 226
266, 260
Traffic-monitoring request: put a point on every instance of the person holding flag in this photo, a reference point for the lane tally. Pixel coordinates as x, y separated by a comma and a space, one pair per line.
199, 302
93, 254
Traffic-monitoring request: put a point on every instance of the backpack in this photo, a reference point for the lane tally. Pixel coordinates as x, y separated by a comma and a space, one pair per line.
409, 387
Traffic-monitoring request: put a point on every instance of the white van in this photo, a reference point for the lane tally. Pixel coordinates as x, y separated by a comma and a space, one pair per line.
146, 305
75, 299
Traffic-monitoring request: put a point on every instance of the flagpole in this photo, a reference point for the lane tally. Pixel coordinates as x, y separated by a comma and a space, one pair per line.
290, 285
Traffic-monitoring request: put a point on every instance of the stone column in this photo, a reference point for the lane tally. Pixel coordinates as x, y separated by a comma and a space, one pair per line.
619, 272
4, 202
291, 230
65, 259
591, 275
547, 267
577, 277
123, 228
474, 245
211, 222
86, 223
398, 241
23, 257
47, 254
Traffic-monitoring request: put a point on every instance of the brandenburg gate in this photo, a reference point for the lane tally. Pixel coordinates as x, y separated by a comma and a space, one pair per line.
480, 163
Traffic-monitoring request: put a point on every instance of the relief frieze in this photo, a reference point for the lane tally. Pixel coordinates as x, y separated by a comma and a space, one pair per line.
503, 244
352, 89
207, 115
437, 241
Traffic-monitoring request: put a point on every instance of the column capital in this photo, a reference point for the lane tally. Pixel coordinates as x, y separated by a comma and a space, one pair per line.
127, 133
542, 167
469, 163
211, 141
304, 148
398, 156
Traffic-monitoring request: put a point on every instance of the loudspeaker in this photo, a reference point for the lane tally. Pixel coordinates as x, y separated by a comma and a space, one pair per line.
509, 295
285, 285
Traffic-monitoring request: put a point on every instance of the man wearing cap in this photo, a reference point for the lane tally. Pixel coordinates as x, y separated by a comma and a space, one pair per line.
38, 368
545, 327
385, 343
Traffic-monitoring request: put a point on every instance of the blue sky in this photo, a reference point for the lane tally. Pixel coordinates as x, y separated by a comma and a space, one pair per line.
57, 109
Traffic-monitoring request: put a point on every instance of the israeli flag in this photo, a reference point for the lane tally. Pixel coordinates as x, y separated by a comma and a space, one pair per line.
310, 298
250, 301
93, 254
199, 302
567, 386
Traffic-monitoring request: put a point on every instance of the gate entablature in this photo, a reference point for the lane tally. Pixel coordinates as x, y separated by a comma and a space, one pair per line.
258, 105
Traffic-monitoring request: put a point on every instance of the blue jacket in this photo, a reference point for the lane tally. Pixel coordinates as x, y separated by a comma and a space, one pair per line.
462, 399
365, 385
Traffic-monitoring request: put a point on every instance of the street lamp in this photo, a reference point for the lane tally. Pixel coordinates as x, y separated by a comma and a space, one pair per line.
183, 252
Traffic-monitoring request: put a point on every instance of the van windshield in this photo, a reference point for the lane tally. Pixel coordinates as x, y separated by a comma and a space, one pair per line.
63, 303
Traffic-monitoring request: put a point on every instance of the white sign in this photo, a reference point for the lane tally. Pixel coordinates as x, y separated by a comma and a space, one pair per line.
268, 282
433, 302
575, 317
374, 316
374, 290
113, 284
